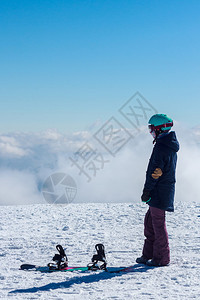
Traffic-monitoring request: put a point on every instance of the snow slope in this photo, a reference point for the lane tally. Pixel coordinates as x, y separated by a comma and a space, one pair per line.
29, 234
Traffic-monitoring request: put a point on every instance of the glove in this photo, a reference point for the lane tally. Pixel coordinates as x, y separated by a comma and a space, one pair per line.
146, 196
157, 173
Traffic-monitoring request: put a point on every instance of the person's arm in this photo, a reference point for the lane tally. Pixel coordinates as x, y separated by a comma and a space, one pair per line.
155, 171
156, 168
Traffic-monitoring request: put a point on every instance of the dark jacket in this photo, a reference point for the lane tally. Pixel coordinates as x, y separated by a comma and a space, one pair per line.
164, 156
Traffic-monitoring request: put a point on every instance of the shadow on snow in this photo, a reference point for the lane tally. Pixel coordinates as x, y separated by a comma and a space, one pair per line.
84, 279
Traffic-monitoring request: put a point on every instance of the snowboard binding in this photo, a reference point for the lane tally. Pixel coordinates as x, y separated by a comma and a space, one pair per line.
59, 260
99, 259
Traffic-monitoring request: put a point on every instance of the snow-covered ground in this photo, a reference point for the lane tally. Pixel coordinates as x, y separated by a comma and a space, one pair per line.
29, 234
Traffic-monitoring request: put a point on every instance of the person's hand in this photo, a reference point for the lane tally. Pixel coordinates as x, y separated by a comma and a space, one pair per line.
157, 173
146, 196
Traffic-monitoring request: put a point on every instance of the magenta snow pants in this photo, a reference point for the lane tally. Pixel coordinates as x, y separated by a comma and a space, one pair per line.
156, 244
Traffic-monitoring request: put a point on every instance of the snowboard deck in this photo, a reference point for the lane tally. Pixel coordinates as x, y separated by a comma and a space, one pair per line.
45, 269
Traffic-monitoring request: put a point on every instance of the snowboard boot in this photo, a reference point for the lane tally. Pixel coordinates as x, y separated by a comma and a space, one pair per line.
142, 260
154, 263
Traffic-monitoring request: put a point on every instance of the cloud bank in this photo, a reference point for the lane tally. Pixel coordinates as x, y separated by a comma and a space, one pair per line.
27, 159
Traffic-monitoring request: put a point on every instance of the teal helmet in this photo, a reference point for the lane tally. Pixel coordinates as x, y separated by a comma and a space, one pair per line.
159, 123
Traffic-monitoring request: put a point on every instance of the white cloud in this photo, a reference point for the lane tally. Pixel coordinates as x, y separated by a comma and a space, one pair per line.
27, 159
9, 146
18, 187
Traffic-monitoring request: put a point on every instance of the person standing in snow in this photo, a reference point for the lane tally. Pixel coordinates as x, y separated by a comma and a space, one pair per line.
158, 192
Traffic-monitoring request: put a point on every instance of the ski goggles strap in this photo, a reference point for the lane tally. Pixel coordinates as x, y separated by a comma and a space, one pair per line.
154, 128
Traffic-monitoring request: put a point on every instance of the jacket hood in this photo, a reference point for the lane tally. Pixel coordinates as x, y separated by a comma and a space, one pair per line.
169, 140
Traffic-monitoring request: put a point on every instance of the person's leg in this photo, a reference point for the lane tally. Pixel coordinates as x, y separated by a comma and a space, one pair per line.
149, 234
161, 252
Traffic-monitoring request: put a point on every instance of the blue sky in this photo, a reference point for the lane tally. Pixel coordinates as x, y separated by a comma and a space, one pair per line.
66, 64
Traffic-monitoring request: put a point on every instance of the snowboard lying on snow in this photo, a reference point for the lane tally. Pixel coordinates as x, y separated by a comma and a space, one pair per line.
60, 263
46, 269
